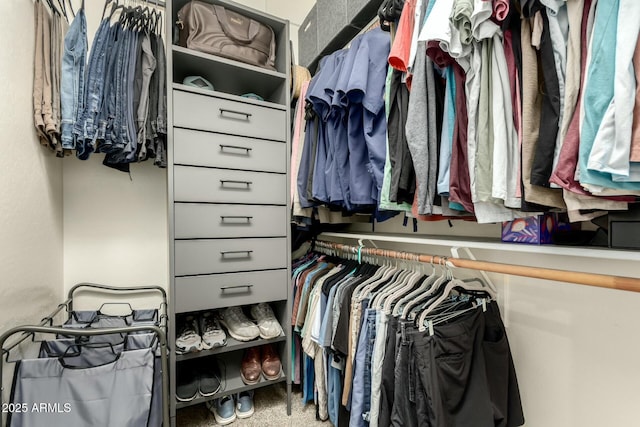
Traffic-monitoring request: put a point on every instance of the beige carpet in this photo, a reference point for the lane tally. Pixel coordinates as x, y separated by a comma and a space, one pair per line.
270, 410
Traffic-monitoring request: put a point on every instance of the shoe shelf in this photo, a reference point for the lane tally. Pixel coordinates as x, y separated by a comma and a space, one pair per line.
230, 366
232, 345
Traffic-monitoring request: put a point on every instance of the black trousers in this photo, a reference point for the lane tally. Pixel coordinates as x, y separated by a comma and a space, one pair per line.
461, 376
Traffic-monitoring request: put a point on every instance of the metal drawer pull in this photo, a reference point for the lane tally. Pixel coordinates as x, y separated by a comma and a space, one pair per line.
231, 181
223, 217
248, 287
240, 113
235, 147
223, 253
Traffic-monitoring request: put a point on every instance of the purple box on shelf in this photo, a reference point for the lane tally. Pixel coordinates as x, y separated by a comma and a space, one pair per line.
534, 230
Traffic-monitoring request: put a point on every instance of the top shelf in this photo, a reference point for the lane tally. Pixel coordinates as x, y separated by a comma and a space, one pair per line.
280, 29
219, 61
493, 244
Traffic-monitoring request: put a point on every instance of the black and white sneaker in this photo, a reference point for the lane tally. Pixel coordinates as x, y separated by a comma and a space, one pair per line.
212, 333
188, 336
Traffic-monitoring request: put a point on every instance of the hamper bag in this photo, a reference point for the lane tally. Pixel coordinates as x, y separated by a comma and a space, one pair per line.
211, 28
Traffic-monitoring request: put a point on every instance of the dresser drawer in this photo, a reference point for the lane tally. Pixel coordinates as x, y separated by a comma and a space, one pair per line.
228, 255
201, 221
203, 112
228, 290
192, 184
227, 151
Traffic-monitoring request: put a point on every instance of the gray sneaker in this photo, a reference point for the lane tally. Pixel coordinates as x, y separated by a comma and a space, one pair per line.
267, 322
238, 325
211, 331
188, 337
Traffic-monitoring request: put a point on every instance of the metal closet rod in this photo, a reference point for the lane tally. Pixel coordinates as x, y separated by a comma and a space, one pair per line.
588, 279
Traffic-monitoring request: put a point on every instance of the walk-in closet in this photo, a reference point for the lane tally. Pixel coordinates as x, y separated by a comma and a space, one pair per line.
347, 213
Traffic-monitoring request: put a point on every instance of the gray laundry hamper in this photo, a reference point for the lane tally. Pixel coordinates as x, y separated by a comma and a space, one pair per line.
97, 370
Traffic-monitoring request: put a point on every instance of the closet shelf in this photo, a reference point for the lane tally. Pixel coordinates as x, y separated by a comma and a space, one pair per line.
230, 365
228, 75
231, 97
491, 244
232, 345
219, 61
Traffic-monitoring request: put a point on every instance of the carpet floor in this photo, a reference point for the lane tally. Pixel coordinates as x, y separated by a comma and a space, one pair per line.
270, 404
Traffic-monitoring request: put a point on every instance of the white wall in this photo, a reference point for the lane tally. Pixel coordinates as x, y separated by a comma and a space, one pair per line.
31, 248
115, 225
31, 185
575, 347
294, 11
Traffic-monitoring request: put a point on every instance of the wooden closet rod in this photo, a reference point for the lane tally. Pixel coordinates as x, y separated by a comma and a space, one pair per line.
589, 279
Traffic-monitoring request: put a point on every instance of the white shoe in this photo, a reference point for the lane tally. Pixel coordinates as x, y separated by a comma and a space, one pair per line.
189, 338
267, 322
212, 333
238, 325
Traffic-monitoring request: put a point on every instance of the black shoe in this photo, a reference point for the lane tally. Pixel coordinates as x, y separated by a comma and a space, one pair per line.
187, 382
210, 378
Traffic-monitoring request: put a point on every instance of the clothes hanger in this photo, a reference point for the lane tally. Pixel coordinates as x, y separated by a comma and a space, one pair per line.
73, 12
453, 310
160, 20
412, 282
455, 252
53, 7
401, 286
374, 289
420, 290
453, 284
399, 282
145, 17
63, 9
415, 266
434, 282
114, 4
380, 274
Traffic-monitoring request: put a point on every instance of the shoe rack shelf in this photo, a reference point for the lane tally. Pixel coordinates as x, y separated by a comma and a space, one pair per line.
230, 364
232, 345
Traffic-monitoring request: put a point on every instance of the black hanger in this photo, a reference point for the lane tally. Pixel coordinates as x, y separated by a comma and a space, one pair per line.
63, 8
53, 7
73, 12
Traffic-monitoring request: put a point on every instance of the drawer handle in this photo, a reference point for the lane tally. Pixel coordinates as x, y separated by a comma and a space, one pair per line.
224, 217
235, 147
240, 113
223, 253
231, 181
248, 287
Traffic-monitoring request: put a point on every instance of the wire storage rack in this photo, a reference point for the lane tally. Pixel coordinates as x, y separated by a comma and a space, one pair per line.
86, 345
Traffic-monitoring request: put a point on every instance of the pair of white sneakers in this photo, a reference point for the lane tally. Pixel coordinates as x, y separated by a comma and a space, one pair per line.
266, 325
